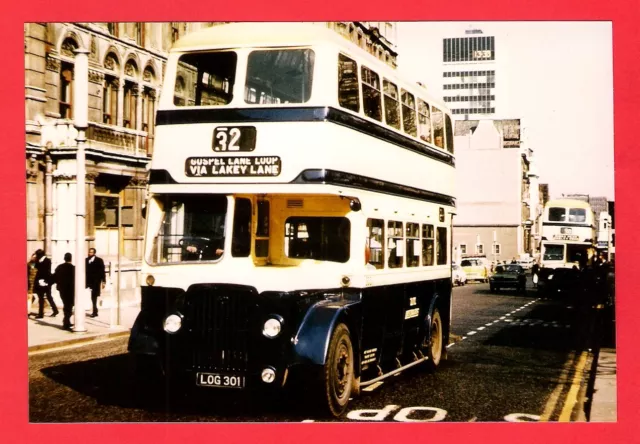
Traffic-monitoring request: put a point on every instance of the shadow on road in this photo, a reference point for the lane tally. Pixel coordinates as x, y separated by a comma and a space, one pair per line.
110, 382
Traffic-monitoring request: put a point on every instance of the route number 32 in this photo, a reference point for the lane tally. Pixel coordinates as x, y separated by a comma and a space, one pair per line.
234, 139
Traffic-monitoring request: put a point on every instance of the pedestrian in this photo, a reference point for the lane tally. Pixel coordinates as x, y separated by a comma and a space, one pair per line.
31, 279
42, 284
513, 261
95, 278
535, 268
64, 277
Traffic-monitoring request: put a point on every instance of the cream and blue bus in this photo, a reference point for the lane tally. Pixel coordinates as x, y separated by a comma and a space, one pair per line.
299, 217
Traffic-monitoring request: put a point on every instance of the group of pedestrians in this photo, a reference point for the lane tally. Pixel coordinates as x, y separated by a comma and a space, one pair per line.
40, 279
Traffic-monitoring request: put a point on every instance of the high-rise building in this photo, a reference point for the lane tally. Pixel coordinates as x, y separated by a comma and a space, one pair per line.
469, 75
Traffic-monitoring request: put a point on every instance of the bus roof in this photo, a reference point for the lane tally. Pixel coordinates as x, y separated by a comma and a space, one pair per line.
260, 34
275, 34
573, 203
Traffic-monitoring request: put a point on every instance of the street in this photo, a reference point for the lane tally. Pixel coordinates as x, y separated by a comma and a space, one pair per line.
513, 357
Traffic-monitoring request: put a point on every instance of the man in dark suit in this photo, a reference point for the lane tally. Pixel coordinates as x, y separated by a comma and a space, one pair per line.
42, 284
64, 277
95, 278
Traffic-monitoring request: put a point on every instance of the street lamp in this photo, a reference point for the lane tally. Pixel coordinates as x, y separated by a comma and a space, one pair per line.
80, 114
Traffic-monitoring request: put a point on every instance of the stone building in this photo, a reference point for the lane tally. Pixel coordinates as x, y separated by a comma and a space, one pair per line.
126, 68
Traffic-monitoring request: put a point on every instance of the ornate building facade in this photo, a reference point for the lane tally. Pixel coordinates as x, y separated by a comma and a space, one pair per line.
126, 66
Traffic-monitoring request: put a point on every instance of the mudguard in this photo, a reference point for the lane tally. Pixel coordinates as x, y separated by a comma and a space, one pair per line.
142, 339
311, 342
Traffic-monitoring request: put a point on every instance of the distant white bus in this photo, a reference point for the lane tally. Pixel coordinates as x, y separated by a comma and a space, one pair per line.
568, 233
299, 219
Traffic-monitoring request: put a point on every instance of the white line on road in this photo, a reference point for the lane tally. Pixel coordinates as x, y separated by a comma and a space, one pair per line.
471, 333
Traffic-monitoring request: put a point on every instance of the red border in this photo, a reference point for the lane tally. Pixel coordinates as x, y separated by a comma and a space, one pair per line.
14, 384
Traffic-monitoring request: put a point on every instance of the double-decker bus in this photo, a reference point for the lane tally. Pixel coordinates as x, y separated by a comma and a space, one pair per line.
299, 217
568, 235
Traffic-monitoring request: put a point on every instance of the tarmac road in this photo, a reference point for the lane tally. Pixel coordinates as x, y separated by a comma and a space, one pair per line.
515, 358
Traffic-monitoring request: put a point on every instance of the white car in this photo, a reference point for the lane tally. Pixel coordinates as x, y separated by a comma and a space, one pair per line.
526, 263
459, 277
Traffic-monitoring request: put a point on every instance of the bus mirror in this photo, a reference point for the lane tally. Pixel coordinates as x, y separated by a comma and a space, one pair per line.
355, 205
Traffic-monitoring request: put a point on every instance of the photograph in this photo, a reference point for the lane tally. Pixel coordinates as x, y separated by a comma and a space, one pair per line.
338, 221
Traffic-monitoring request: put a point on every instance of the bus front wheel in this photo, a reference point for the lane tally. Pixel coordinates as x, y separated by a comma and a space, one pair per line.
434, 350
338, 371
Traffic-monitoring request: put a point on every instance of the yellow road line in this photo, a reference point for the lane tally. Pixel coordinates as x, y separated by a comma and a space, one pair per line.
553, 399
572, 397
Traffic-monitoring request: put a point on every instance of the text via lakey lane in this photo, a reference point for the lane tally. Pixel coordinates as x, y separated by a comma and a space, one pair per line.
248, 166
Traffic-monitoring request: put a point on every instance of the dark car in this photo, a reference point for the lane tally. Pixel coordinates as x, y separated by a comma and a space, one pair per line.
508, 276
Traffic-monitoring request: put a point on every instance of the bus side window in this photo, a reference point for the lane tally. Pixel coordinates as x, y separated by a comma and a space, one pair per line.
424, 121
348, 88
438, 127
441, 239
395, 242
375, 242
427, 245
241, 240
261, 248
371, 94
391, 104
408, 113
449, 133
413, 244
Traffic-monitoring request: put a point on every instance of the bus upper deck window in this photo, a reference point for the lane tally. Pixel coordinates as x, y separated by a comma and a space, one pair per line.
424, 121
205, 79
577, 215
371, 98
438, 127
348, 88
557, 214
279, 76
449, 133
391, 104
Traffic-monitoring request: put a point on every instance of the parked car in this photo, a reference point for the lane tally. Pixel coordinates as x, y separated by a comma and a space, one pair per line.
459, 277
509, 276
475, 269
526, 263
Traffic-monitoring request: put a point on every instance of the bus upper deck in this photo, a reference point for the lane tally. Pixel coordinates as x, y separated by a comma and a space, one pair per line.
303, 99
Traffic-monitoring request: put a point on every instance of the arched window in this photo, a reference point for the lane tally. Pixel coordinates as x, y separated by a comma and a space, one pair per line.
66, 91
110, 100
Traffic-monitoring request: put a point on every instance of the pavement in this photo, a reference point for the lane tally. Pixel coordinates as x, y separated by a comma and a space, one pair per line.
47, 334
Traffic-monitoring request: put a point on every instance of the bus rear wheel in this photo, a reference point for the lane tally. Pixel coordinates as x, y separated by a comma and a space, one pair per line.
434, 350
338, 371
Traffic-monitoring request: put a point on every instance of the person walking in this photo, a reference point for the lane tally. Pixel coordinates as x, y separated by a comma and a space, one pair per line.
42, 284
64, 277
31, 279
535, 269
95, 278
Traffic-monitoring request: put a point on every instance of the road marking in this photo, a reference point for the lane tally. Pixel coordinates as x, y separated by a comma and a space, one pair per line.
489, 324
451, 345
480, 328
502, 317
555, 395
572, 396
471, 333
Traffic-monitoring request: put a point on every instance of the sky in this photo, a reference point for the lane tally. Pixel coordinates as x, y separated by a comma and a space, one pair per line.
558, 78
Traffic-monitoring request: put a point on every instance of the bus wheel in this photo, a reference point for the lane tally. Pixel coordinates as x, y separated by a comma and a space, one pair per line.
434, 351
338, 371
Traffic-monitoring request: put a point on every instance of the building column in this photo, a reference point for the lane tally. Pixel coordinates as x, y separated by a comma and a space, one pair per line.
120, 119
48, 204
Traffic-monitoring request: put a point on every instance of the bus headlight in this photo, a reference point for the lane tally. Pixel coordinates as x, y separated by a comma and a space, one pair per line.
150, 280
272, 328
172, 323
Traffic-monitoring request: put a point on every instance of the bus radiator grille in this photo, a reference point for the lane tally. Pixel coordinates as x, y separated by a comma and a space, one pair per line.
220, 332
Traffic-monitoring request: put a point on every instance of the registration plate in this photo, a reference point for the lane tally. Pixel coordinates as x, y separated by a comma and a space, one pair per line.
219, 380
